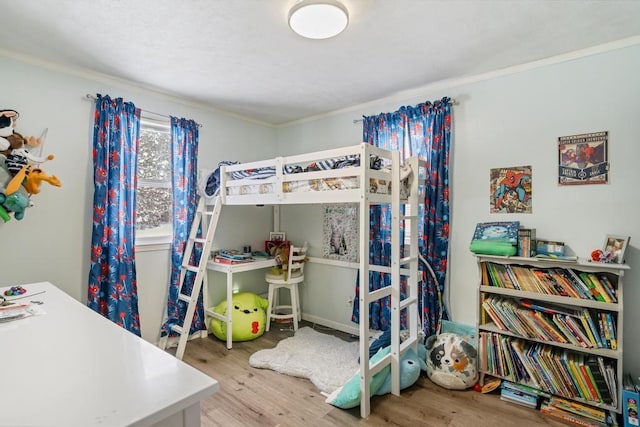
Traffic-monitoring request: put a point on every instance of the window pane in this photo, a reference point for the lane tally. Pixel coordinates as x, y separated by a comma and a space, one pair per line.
154, 155
153, 207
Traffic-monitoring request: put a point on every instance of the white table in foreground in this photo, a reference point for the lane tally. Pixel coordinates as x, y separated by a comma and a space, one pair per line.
73, 367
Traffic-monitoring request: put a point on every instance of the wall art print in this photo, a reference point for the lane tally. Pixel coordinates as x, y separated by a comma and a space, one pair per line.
583, 159
340, 226
510, 190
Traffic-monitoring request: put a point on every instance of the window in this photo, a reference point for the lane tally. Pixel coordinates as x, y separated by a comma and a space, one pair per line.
153, 198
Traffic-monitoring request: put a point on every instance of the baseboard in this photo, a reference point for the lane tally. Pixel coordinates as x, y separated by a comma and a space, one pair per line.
353, 330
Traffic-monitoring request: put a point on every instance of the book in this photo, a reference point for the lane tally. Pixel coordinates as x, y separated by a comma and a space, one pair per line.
630, 400
598, 377
599, 287
586, 278
608, 287
546, 247
526, 242
519, 397
500, 231
569, 417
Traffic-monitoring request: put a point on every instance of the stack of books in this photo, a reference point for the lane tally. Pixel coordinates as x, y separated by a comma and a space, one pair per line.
231, 256
577, 413
527, 242
518, 394
630, 400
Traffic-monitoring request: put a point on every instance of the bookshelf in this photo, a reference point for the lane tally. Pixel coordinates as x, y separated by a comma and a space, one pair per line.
555, 325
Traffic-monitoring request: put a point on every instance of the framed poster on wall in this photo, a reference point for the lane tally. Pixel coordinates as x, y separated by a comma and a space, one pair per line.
583, 159
340, 227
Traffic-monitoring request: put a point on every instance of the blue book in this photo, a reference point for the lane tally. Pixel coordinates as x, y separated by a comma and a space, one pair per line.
499, 232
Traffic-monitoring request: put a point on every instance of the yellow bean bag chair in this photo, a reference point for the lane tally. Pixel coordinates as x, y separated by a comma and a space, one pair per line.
248, 317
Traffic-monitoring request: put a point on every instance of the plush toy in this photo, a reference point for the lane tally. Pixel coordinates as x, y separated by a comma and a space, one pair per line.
451, 361
348, 396
13, 196
248, 318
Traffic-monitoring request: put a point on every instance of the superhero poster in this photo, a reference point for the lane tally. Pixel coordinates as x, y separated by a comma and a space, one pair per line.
510, 190
583, 159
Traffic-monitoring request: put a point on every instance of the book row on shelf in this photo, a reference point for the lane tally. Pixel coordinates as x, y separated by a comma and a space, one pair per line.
558, 371
581, 327
556, 407
551, 281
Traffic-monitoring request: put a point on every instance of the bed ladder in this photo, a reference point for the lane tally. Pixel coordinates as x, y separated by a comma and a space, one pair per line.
406, 267
207, 221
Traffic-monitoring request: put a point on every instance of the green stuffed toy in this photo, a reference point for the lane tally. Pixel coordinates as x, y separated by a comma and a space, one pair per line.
248, 318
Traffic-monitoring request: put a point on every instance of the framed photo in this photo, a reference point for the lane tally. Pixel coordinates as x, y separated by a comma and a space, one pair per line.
617, 245
277, 236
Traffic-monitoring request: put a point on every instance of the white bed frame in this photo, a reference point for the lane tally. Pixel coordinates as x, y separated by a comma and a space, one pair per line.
363, 196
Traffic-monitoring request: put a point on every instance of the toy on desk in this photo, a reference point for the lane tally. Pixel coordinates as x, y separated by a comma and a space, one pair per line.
248, 318
15, 291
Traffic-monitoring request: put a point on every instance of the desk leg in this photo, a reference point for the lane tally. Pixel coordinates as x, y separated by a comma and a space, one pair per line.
229, 309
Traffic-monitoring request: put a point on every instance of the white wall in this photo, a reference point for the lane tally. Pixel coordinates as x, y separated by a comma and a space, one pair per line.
52, 242
509, 120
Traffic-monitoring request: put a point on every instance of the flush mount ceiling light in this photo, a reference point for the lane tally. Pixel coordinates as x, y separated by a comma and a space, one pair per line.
318, 19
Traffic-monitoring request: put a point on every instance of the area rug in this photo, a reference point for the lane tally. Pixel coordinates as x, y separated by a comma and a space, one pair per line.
327, 361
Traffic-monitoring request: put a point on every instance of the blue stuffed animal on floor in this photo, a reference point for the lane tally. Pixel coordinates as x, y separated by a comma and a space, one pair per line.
348, 396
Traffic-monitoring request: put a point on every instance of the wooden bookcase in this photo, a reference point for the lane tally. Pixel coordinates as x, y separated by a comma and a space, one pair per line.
520, 341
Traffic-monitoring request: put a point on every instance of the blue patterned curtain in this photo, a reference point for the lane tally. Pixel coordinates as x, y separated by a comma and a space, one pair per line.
184, 167
112, 274
424, 131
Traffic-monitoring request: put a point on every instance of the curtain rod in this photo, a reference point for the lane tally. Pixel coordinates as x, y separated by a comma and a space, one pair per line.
451, 102
89, 96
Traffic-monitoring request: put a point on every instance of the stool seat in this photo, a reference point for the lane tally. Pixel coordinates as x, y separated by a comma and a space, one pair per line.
286, 279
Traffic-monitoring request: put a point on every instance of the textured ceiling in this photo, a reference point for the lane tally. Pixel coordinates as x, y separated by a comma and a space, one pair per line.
240, 55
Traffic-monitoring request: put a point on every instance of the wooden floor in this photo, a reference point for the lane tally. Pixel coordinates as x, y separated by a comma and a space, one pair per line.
261, 397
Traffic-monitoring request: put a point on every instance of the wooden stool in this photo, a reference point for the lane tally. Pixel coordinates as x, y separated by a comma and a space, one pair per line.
287, 279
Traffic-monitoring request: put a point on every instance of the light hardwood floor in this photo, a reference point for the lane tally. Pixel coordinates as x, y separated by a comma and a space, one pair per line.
261, 397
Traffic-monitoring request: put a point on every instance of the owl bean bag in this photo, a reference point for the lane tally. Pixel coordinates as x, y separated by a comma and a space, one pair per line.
248, 318
451, 361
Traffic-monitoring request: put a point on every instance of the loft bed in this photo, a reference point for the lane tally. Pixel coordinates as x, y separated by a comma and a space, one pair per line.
361, 174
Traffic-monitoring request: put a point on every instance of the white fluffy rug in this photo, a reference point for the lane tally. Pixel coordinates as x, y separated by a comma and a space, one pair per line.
326, 360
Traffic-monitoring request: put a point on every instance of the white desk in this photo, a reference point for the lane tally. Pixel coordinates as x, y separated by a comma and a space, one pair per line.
230, 269
72, 367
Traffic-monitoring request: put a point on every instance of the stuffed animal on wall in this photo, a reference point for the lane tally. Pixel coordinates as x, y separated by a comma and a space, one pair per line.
451, 361
20, 174
348, 396
248, 318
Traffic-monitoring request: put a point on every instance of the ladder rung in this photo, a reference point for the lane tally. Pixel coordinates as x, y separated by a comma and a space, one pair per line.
183, 297
193, 268
408, 301
177, 328
409, 217
198, 240
408, 259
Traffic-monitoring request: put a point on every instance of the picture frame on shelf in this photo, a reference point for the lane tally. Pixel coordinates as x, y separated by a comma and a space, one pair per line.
277, 236
617, 245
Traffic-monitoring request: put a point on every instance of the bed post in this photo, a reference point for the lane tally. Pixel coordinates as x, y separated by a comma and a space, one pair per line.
365, 377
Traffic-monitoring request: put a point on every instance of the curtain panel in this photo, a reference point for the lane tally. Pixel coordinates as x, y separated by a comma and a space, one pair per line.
112, 287
184, 167
423, 130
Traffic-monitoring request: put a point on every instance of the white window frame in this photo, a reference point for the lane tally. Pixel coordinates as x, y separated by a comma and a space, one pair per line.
163, 237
